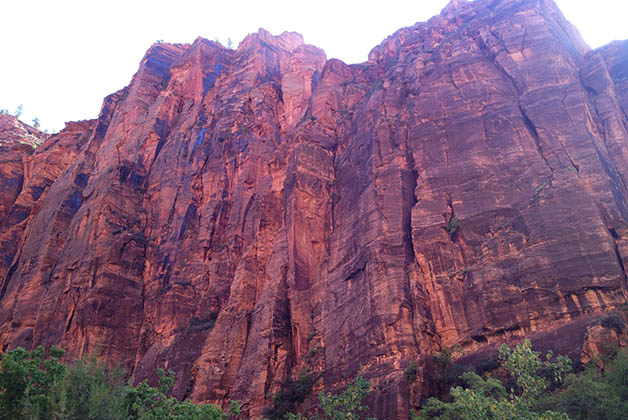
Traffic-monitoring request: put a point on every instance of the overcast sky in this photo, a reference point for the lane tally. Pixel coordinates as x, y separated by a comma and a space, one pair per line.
61, 58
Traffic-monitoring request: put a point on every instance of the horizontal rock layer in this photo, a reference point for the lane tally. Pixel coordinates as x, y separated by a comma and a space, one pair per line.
240, 216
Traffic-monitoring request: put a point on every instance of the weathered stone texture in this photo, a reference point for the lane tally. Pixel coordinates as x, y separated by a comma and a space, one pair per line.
238, 216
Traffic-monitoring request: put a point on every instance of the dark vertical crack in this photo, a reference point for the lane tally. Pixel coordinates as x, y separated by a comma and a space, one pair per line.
410, 199
535, 135
409, 203
69, 322
7, 279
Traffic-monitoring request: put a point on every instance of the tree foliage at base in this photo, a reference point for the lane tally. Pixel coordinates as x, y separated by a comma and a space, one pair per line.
29, 385
540, 390
484, 399
37, 386
344, 406
599, 393
292, 393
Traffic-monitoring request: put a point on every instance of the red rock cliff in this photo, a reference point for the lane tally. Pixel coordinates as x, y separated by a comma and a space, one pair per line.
238, 216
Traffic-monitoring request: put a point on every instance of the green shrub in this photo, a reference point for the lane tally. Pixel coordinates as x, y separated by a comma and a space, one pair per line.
290, 396
344, 406
147, 403
33, 387
27, 382
541, 389
92, 391
412, 371
445, 373
452, 226
596, 394
488, 398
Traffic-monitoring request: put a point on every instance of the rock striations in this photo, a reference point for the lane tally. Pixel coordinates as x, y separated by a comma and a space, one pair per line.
240, 216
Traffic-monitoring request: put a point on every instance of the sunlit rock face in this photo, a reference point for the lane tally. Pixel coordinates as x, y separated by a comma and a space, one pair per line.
239, 216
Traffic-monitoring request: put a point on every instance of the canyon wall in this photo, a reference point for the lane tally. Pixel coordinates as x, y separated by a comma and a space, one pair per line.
241, 216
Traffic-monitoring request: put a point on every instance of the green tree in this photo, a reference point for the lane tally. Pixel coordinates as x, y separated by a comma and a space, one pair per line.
484, 399
36, 122
344, 406
27, 382
92, 390
147, 403
18, 111
530, 372
596, 394
36, 387
471, 404
443, 364
348, 405
292, 393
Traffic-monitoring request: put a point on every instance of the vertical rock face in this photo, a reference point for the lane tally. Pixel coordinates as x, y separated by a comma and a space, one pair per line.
17, 142
241, 216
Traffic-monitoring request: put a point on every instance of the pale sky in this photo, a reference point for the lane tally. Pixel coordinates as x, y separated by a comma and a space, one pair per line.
60, 58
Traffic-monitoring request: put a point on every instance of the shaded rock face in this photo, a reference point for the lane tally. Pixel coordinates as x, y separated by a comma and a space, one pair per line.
240, 216
17, 142
17, 148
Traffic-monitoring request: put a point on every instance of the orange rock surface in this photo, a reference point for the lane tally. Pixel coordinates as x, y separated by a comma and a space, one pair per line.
238, 216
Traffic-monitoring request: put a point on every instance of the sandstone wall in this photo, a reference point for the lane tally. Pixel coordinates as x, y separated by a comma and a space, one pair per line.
238, 216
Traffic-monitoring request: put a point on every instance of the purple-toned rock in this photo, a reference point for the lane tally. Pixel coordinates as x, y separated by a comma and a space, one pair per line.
241, 216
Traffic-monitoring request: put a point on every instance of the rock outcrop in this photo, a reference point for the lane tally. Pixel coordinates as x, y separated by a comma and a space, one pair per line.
17, 141
240, 216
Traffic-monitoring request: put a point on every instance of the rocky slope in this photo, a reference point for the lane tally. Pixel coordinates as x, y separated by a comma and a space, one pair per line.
242, 216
